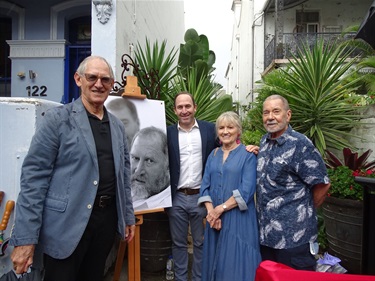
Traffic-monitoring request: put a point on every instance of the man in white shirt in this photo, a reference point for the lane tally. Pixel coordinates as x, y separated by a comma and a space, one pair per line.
190, 141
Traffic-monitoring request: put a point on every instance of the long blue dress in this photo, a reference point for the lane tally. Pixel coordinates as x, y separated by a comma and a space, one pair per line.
233, 252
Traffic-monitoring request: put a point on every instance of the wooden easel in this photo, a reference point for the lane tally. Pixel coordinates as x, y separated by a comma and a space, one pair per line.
134, 250
132, 90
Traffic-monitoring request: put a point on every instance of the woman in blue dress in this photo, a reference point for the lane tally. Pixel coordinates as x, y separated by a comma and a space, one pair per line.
231, 245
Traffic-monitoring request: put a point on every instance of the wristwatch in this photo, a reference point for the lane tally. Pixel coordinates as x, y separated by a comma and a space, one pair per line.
224, 207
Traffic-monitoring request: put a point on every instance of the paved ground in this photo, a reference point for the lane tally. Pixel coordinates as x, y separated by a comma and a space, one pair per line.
160, 276
156, 243
145, 276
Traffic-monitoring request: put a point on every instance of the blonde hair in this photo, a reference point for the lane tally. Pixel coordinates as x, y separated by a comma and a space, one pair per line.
230, 117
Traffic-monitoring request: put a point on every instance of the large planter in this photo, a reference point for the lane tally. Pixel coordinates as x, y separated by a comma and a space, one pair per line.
156, 242
368, 243
343, 220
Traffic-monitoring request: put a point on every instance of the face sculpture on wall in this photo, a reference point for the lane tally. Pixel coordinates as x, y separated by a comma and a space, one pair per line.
103, 10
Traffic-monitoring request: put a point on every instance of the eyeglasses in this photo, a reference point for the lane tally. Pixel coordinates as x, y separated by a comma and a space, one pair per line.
92, 78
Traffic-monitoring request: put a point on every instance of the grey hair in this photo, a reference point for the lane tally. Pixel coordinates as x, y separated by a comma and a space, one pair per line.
83, 65
118, 104
278, 97
153, 133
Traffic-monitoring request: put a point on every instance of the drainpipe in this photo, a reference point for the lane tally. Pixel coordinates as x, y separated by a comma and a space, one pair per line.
253, 50
238, 68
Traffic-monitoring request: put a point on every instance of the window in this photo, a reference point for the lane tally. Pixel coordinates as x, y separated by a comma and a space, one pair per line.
307, 22
80, 30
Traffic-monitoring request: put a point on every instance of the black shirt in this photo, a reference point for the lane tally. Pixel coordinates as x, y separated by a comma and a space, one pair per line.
103, 142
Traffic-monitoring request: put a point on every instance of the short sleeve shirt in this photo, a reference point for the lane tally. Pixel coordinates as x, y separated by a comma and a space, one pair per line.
288, 168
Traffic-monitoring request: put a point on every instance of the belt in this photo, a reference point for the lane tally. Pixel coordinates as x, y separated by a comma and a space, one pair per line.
188, 191
103, 201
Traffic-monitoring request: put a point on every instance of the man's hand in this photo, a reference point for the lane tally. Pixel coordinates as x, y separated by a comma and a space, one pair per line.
129, 233
22, 258
319, 193
253, 148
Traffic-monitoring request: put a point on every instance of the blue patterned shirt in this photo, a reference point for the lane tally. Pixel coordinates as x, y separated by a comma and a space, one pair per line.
288, 168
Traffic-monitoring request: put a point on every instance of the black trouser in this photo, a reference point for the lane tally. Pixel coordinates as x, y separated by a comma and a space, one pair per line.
88, 260
297, 258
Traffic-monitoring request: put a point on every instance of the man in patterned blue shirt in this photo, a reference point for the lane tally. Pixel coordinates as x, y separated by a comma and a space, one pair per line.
292, 182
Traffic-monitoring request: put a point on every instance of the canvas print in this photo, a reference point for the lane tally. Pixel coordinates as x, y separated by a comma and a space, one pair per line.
145, 126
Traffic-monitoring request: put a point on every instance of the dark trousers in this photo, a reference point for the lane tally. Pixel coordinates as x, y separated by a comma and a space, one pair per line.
88, 260
298, 258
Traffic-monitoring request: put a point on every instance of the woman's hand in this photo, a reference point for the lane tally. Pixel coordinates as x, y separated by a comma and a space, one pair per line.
217, 224
212, 216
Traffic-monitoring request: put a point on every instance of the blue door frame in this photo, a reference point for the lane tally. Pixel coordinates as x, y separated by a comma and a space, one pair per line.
74, 55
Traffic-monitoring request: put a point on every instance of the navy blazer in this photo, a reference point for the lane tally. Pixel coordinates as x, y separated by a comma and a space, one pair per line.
209, 142
59, 181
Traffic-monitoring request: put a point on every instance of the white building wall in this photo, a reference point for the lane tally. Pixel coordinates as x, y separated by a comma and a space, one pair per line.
258, 39
132, 22
342, 14
246, 60
232, 69
253, 30
240, 72
245, 51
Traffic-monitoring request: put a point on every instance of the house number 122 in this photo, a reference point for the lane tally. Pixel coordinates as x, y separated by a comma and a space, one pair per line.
35, 91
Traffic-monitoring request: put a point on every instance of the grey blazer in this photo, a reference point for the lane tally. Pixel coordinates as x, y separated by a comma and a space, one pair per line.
59, 181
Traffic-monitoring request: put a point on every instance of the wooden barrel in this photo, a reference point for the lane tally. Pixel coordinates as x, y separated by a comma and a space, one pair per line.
156, 243
343, 222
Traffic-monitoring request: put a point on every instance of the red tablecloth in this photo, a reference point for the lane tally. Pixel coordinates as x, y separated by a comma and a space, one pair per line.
272, 271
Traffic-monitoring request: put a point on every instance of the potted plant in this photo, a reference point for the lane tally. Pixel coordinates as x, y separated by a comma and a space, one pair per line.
342, 174
343, 207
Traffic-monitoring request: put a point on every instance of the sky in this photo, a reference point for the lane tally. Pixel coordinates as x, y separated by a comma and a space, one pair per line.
213, 18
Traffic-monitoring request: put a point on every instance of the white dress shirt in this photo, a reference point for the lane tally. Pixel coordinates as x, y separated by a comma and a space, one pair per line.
190, 157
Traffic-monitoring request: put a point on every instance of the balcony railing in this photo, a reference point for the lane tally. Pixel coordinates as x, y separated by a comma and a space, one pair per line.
292, 42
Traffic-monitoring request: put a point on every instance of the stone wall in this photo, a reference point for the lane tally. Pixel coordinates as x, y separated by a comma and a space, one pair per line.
366, 132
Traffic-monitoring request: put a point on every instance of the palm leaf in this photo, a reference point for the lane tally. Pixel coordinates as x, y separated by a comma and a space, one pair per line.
205, 93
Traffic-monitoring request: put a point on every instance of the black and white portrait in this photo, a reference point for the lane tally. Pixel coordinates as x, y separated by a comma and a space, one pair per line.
145, 126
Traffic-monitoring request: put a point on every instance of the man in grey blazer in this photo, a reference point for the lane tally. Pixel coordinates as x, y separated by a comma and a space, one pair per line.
190, 141
75, 184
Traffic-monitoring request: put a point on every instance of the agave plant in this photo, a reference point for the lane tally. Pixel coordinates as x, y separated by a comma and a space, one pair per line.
366, 90
155, 59
319, 100
369, 79
205, 93
321, 109
193, 77
269, 85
